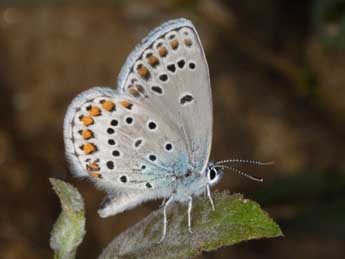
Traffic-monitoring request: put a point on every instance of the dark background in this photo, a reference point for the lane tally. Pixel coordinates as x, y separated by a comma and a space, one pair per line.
278, 81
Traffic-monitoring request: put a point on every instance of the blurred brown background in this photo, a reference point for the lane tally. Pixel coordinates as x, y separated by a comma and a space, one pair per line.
278, 80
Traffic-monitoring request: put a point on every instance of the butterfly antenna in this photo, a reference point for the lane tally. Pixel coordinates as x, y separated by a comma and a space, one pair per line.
254, 178
244, 161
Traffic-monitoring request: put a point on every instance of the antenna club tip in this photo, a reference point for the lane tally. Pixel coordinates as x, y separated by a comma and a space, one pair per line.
257, 179
268, 163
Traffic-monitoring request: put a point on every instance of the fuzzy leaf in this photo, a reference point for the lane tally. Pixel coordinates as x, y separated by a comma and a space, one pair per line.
235, 219
69, 229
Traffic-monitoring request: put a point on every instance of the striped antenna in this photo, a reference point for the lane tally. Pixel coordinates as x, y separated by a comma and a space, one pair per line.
244, 161
254, 178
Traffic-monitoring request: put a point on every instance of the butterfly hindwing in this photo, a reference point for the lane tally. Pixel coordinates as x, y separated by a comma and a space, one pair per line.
112, 139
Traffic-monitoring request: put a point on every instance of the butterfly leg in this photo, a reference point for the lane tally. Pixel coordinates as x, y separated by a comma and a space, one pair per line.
190, 214
163, 202
165, 220
210, 197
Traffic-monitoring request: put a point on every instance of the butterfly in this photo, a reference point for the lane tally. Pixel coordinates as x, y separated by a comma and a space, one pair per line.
150, 138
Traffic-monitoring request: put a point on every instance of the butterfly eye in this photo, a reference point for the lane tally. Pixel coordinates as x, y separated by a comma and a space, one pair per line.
212, 174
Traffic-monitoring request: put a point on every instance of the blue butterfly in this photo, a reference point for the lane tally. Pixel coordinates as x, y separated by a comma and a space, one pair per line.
150, 138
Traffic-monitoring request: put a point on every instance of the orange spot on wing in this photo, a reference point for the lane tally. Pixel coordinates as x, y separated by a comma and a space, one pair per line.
87, 134
143, 71
94, 111
88, 148
108, 105
174, 44
93, 167
86, 120
152, 60
188, 42
162, 51
126, 104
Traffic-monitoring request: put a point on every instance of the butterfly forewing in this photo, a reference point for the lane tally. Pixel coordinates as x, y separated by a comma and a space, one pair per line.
169, 74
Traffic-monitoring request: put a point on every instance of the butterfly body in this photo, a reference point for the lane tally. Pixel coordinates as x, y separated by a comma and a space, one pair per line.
150, 137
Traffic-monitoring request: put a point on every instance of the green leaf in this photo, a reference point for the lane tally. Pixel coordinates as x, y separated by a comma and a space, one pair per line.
235, 219
69, 229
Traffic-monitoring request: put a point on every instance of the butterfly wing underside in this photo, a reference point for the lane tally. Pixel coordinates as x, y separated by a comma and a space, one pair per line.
134, 141
169, 67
